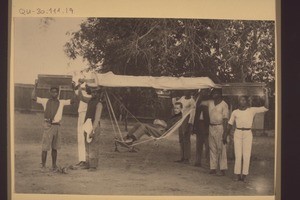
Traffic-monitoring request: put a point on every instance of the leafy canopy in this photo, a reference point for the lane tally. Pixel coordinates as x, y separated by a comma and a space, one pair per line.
231, 50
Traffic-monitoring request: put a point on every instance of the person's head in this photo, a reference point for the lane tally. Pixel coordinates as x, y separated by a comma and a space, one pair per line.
94, 92
93, 86
205, 93
54, 92
187, 93
177, 107
216, 94
88, 89
243, 101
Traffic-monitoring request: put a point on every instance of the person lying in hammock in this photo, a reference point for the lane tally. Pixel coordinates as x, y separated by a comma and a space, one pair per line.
156, 129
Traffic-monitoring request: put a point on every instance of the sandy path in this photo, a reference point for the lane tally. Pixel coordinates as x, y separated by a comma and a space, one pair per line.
151, 171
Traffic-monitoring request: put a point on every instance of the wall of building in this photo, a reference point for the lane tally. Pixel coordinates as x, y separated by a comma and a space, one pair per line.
23, 100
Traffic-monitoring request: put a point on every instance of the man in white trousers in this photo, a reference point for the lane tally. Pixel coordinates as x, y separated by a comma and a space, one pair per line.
242, 138
82, 108
218, 115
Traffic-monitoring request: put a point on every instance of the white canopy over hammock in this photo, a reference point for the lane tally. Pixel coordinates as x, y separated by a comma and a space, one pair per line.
168, 83
110, 79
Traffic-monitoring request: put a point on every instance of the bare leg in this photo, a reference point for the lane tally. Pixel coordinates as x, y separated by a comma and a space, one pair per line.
44, 158
54, 158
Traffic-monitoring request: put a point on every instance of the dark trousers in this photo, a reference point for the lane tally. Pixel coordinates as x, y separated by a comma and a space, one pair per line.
185, 140
201, 141
92, 149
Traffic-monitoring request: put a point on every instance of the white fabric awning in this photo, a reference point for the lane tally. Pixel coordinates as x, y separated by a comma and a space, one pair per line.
169, 83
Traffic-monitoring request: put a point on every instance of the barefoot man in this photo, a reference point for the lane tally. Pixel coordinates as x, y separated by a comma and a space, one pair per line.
53, 110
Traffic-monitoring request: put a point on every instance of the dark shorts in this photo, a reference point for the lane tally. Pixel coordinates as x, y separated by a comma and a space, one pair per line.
51, 137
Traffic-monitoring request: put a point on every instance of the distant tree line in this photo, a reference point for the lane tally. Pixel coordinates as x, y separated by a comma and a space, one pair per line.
227, 50
233, 50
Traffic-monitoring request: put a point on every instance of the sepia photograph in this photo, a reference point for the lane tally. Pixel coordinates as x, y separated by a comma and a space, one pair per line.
144, 106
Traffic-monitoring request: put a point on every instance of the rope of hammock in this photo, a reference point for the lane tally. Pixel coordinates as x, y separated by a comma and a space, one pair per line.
164, 135
116, 98
114, 116
111, 118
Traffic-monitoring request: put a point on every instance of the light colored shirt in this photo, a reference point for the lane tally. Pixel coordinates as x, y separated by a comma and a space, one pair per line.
82, 105
216, 112
59, 112
244, 118
187, 104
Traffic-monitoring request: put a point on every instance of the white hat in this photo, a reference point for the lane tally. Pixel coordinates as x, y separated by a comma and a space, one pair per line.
92, 81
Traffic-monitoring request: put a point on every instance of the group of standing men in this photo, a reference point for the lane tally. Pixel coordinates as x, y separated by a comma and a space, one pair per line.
209, 122
90, 108
212, 124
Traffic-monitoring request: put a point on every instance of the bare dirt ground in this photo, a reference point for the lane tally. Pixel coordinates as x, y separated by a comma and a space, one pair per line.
151, 171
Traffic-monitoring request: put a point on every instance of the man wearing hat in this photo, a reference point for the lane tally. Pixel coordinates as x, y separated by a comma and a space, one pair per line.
93, 114
53, 110
155, 130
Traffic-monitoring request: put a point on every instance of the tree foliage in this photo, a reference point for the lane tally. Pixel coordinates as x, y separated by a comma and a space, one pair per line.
232, 50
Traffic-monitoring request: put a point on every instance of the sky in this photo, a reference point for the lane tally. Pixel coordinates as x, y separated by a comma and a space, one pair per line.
38, 48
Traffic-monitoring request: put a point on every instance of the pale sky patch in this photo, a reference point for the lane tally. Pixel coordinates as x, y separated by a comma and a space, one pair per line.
39, 48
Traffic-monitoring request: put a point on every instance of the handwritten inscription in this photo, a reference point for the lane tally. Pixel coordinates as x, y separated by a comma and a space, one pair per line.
48, 11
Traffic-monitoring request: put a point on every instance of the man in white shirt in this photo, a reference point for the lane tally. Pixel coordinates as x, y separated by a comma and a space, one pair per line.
243, 119
53, 108
81, 116
218, 116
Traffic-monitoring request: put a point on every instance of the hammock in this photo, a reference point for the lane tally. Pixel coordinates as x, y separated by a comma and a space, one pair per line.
119, 139
163, 82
